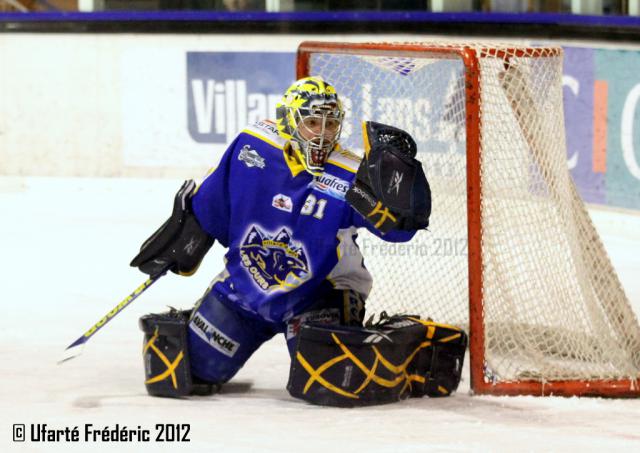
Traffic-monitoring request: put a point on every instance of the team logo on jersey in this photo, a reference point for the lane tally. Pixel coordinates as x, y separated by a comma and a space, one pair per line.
331, 185
282, 202
250, 157
274, 261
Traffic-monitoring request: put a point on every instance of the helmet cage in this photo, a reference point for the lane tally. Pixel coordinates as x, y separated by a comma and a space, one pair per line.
317, 130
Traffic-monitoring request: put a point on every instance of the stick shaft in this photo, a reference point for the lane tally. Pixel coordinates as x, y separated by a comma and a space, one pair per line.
117, 309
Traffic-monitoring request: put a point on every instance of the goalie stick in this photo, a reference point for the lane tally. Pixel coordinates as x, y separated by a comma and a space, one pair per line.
76, 348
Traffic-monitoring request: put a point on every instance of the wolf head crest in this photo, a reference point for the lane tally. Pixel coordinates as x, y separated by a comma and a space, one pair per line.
274, 261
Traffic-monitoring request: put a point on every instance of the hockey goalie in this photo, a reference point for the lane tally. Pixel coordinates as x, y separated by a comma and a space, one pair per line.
287, 202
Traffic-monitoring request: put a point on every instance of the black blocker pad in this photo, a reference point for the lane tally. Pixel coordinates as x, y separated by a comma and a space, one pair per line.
403, 356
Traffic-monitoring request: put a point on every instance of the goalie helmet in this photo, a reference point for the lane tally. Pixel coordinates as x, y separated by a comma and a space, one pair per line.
310, 116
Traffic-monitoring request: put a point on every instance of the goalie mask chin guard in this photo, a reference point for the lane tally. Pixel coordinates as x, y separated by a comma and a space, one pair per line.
310, 116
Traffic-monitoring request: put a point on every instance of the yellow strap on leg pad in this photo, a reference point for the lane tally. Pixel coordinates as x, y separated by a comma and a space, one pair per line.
166, 356
437, 371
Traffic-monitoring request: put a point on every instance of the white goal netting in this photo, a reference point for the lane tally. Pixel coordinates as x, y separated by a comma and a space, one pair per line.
552, 306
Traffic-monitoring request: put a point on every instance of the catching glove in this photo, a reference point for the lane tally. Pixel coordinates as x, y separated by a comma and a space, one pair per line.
391, 190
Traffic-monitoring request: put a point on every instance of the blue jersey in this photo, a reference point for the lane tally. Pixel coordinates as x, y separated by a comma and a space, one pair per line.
288, 233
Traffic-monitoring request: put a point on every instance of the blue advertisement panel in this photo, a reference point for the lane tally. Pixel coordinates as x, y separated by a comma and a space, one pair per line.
621, 70
578, 83
228, 90
602, 124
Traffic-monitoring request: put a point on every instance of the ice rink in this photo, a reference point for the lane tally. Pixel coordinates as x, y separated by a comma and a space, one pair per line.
66, 245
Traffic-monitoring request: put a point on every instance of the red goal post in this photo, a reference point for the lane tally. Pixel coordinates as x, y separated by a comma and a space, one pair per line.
544, 308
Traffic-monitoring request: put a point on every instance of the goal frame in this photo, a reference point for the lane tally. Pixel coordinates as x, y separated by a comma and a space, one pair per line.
470, 59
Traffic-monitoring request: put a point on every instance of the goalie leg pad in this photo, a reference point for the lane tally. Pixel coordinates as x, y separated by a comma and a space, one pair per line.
166, 356
334, 307
436, 371
350, 366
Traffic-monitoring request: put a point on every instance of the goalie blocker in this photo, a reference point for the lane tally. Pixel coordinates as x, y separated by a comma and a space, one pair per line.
400, 357
179, 244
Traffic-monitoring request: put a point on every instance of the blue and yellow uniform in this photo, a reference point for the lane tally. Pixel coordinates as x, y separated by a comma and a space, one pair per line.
291, 249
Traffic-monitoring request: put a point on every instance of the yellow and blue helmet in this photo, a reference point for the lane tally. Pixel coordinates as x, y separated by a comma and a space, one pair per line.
310, 115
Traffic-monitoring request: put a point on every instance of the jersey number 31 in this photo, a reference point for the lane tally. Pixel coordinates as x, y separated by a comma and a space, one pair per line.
311, 204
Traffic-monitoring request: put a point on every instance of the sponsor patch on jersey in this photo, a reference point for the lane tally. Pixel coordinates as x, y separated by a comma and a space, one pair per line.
331, 185
267, 126
326, 316
274, 260
213, 336
251, 158
282, 202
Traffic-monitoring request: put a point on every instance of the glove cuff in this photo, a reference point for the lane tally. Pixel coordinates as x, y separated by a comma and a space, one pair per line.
363, 201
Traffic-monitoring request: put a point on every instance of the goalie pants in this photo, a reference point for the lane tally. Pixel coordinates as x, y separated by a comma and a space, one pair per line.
222, 338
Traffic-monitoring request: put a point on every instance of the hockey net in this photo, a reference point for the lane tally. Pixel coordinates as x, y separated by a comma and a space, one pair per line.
511, 254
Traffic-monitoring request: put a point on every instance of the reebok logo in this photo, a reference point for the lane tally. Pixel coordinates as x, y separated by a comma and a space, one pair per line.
216, 339
191, 246
396, 179
364, 195
377, 338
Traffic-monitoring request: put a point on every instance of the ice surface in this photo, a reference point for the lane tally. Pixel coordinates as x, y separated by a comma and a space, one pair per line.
66, 245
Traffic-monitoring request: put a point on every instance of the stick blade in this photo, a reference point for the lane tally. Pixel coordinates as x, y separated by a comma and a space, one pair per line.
72, 351
76, 348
